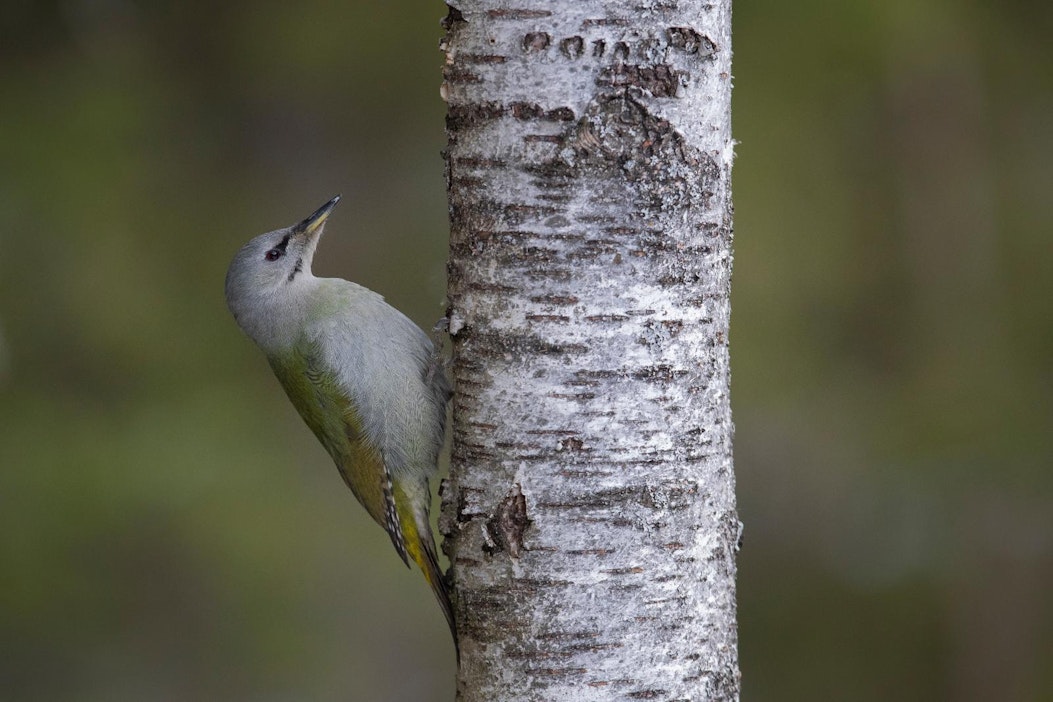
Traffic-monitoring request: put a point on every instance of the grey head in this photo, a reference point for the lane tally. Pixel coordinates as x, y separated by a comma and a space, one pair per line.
266, 271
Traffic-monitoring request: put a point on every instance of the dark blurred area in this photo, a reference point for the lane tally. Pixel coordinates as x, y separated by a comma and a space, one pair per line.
169, 529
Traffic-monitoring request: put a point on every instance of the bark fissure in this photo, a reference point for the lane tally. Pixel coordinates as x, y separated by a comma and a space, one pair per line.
590, 513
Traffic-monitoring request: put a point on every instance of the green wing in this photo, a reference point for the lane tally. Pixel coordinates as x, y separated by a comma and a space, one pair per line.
331, 415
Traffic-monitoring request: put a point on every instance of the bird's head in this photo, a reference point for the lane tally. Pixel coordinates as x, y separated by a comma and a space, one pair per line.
265, 268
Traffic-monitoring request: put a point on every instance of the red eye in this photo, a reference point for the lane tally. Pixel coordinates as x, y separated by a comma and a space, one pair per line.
273, 255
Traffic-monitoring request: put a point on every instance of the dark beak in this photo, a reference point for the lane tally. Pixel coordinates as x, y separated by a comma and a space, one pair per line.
316, 220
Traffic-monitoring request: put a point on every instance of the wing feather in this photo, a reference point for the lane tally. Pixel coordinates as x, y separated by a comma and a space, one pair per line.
329, 411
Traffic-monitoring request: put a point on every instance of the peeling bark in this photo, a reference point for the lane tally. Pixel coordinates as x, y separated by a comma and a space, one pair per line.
590, 513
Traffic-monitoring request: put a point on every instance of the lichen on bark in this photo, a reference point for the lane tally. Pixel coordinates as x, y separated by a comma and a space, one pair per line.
590, 514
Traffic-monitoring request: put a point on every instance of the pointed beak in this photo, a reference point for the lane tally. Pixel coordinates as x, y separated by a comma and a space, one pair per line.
314, 223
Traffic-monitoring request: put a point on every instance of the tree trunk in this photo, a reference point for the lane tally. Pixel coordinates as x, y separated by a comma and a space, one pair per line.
590, 512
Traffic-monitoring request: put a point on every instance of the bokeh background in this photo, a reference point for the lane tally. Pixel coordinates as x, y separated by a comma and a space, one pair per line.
169, 530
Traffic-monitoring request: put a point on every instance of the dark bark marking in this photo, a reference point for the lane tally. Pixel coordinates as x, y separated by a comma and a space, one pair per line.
560, 274
461, 117
618, 139
479, 162
560, 114
536, 41
572, 47
605, 22
562, 319
457, 74
661, 80
552, 170
690, 41
556, 635
490, 287
509, 522
543, 138
517, 213
526, 111
463, 515
531, 654
467, 181
590, 474
621, 231
595, 219
594, 648
662, 372
599, 374
723, 685
482, 58
657, 332
561, 300
578, 397
562, 236
590, 552
476, 453
574, 444
453, 18
518, 14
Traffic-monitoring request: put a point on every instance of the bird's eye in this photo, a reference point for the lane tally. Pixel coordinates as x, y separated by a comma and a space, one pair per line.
273, 255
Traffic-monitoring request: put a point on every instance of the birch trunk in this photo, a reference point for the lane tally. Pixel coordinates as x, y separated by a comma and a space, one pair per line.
590, 513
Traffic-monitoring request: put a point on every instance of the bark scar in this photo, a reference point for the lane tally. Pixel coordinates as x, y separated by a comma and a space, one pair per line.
506, 527
453, 17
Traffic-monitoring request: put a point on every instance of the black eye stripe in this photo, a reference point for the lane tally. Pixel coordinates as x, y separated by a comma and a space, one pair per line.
278, 251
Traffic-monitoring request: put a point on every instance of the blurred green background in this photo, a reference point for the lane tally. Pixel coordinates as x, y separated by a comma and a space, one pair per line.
170, 530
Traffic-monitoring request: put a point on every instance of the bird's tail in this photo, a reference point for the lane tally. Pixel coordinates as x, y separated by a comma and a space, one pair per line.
420, 546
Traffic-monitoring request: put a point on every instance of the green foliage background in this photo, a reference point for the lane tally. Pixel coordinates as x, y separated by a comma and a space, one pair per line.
170, 530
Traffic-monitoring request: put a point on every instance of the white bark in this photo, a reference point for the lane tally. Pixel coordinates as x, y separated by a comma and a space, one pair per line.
590, 513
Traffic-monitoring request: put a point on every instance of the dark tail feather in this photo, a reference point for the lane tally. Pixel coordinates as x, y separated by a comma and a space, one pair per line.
429, 565
417, 542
